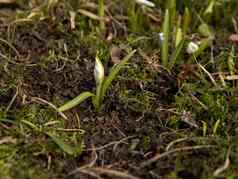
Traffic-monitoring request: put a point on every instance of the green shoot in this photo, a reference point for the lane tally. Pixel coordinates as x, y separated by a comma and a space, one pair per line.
204, 128
231, 63
179, 37
102, 85
186, 20
165, 43
216, 126
179, 33
167, 61
171, 5
101, 14
113, 74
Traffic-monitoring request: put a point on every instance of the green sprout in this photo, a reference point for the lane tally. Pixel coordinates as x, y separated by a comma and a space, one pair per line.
169, 61
101, 10
102, 84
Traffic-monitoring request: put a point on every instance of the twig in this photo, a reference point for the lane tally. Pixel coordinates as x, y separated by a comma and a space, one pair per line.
7, 140
71, 130
110, 144
208, 74
226, 164
109, 172
11, 46
113, 173
36, 99
184, 139
176, 141
198, 101
167, 153
12, 101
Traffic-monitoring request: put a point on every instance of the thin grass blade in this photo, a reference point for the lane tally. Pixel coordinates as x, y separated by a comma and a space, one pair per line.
179, 37
165, 43
186, 20
31, 125
62, 145
101, 14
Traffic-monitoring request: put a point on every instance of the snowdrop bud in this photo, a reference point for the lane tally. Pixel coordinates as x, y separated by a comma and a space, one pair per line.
192, 48
146, 3
161, 36
98, 70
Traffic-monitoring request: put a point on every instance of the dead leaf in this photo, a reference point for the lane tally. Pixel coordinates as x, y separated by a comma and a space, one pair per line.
233, 37
7, 1
187, 118
115, 53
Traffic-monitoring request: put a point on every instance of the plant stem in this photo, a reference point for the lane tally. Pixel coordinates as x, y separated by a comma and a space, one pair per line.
98, 97
101, 14
165, 42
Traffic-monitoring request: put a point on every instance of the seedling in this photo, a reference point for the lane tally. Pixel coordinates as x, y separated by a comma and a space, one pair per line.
179, 42
102, 84
169, 61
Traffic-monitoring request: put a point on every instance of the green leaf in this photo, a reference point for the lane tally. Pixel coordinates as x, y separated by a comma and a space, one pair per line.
63, 146
165, 42
77, 100
186, 20
101, 10
114, 72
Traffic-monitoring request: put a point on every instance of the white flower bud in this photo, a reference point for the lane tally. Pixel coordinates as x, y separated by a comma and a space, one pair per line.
98, 70
192, 48
161, 36
146, 3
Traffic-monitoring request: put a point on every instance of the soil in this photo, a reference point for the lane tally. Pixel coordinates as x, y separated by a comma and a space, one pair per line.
49, 63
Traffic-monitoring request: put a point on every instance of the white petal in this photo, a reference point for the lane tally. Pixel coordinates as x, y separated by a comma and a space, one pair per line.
192, 47
161, 36
146, 3
98, 70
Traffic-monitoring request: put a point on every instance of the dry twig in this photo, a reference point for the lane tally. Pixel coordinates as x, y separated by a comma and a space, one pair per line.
171, 152
36, 99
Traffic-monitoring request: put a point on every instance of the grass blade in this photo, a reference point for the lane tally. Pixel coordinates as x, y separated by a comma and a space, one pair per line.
77, 100
30, 124
179, 37
62, 145
186, 20
113, 73
176, 53
101, 14
165, 43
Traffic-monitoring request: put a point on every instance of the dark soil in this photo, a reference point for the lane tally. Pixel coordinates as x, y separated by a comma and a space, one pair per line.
140, 116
